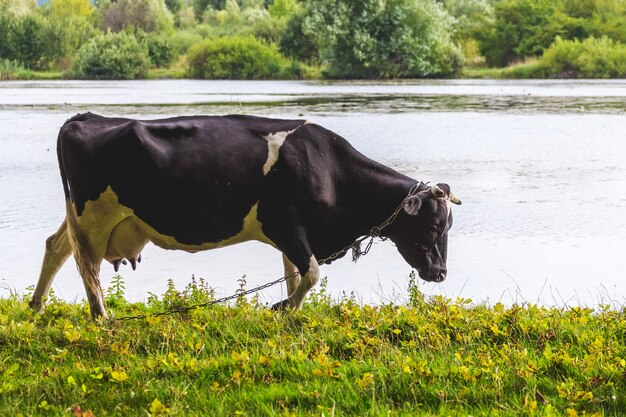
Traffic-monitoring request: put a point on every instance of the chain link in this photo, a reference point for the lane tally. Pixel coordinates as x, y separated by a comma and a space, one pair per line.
355, 246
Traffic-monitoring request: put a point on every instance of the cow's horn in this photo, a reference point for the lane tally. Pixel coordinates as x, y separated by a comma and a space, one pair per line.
454, 199
436, 191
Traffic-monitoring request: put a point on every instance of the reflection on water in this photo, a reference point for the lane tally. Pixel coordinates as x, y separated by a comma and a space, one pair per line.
540, 166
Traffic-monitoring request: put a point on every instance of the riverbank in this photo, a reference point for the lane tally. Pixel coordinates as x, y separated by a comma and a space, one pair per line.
432, 356
526, 70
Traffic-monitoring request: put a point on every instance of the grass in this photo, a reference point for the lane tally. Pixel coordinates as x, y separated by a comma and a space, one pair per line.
13, 70
529, 69
334, 358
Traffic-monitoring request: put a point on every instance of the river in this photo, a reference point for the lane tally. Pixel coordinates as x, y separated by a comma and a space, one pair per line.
540, 167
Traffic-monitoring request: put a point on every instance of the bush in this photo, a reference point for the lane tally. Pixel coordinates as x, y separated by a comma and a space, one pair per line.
111, 56
159, 48
383, 38
591, 58
235, 58
28, 38
183, 40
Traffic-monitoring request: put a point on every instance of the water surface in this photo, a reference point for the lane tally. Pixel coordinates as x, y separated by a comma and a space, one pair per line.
540, 166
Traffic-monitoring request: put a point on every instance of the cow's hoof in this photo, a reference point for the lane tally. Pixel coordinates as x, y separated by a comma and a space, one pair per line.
283, 305
36, 305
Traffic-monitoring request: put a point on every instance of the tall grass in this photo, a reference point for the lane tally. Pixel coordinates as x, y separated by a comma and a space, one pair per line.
9, 69
428, 356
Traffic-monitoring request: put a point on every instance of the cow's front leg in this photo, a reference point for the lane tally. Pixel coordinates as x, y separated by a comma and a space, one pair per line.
310, 277
298, 257
58, 249
292, 274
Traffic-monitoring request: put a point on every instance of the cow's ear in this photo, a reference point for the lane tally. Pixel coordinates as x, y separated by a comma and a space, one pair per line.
411, 205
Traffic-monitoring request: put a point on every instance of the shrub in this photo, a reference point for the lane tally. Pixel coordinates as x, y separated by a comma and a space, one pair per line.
159, 48
111, 56
183, 40
28, 38
235, 58
591, 58
383, 38
521, 28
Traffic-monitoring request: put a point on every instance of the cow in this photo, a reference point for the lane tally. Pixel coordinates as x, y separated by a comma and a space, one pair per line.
202, 182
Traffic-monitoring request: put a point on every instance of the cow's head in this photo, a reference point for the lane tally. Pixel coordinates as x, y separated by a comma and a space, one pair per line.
421, 232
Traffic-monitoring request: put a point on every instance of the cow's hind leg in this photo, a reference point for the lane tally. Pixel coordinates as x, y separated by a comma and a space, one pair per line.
90, 272
58, 249
89, 250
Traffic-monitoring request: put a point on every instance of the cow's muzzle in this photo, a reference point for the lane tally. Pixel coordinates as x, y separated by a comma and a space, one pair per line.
434, 275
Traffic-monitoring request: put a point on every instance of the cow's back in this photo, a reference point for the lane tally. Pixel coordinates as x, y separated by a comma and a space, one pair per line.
192, 178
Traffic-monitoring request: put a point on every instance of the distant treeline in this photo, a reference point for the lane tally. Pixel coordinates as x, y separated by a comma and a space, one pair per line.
265, 39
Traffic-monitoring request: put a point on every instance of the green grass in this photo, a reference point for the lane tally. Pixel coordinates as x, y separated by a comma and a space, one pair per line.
530, 69
427, 357
13, 70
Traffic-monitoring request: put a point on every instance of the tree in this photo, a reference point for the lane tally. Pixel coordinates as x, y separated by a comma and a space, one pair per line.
147, 15
17, 7
72, 21
383, 38
175, 6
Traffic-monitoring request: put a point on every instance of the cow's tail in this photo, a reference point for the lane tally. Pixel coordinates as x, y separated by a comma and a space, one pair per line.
83, 254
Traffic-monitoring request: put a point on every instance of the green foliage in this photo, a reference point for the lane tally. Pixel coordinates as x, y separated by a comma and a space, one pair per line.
283, 9
111, 56
591, 58
160, 48
383, 39
17, 7
470, 16
114, 295
521, 28
235, 58
432, 356
296, 42
30, 39
145, 15
9, 69
201, 6
72, 21
524, 28
249, 20
175, 6
182, 40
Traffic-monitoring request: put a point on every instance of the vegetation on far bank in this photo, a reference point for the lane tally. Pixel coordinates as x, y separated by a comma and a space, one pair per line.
312, 39
432, 356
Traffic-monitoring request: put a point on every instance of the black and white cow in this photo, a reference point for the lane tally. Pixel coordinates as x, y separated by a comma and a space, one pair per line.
202, 182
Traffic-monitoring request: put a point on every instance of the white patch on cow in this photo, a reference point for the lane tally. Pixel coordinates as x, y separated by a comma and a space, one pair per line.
274, 142
115, 231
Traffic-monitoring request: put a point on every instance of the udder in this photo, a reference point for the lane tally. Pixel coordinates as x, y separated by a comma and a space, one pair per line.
126, 242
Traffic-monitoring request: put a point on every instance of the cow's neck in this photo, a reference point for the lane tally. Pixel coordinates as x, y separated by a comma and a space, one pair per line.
378, 191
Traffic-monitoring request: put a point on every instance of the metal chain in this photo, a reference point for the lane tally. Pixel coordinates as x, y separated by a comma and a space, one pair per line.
208, 303
355, 246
